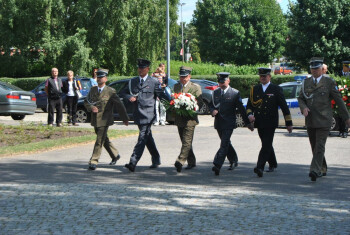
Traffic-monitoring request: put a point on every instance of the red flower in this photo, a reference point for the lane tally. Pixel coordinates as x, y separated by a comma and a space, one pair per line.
348, 104
333, 101
172, 102
188, 95
332, 106
345, 98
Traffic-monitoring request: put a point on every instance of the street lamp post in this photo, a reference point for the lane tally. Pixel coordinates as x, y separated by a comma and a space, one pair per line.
167, 39
182, 35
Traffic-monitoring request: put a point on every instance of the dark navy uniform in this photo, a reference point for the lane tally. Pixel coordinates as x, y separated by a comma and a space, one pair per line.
144, 113
264, 107
225, 121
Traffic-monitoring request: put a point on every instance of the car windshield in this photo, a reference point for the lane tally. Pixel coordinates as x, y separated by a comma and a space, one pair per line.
288, 92
9, 87
119, 85
86, 84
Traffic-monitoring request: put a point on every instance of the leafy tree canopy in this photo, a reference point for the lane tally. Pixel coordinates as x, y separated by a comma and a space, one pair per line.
319, 28
241, 32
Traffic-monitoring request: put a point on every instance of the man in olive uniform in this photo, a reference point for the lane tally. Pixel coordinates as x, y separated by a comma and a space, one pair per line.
225, 101
186, 125
101, 101
142, 92
262, 109
314, 100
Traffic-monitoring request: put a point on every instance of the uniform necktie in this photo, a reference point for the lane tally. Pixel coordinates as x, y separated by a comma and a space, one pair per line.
141, 83
222, 93
315, 82
99, 90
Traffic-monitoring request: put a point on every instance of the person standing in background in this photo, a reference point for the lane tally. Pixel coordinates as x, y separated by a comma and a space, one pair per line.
70, 87
53, 89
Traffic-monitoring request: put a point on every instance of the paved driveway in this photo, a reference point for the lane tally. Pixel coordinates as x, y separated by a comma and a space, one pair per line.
54, 193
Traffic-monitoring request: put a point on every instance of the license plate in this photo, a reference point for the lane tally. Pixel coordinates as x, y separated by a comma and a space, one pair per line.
25, 97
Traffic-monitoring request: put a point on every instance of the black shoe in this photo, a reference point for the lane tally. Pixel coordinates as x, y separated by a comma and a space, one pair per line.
154, 166
271, 169
216, 170
259, 172
313, 175
233, 165
130, 166
114, 160
178, 166
92, 167
324, 174
345, 135
190, 166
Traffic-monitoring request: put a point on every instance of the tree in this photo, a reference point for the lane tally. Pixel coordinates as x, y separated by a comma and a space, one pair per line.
319, 28
242, 32
78, 35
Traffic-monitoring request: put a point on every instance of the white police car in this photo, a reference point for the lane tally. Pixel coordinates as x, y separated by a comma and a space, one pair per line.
291, 92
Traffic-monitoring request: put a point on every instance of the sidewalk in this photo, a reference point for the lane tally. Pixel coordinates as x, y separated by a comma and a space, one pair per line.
54, 193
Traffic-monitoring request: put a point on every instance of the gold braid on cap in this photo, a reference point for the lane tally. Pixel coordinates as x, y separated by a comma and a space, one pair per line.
254, 103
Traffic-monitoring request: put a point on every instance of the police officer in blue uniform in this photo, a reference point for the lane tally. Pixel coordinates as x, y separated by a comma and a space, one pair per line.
142, 92
225, 101
262, 108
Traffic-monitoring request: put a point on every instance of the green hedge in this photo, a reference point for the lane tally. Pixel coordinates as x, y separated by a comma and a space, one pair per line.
241, 82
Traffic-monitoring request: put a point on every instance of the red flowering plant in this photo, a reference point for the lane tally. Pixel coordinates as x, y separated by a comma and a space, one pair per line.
183, 104
344, 89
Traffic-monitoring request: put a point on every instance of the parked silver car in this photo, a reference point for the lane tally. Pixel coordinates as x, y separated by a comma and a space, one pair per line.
16, 102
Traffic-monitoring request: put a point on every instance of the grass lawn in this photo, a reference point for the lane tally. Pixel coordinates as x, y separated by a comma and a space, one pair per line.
35, 138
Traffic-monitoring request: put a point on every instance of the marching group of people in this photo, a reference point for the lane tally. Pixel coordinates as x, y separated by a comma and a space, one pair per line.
145, 93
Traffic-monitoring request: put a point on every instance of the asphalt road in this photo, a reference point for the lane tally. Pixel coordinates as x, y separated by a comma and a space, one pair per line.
53, 192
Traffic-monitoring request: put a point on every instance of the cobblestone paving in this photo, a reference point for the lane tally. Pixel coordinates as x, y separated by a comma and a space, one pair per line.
167, 209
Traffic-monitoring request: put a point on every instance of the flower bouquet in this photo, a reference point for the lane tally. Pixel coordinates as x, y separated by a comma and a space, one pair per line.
183, 104
344, 89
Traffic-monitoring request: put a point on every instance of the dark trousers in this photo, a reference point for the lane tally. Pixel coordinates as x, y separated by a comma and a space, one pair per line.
186, 135
342, 126
102, 140
267, 153
72, 108
226, 149
54, 104
318, 138
145, 139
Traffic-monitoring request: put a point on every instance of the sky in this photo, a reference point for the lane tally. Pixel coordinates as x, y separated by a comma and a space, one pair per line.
190, 6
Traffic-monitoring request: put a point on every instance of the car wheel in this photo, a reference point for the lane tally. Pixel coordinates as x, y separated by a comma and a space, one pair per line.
18, 116
335, 124
239, 120
204, 109
83, 115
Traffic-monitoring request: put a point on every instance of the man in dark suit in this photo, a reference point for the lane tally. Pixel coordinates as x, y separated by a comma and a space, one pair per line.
53, 89
100, 101
225, 101
262, 109
143, 92
186, 125
314, 100
343, 129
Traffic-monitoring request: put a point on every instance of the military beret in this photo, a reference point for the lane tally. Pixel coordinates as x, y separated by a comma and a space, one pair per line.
100, 73
185, 71
222, 76
143, 63
316, 62
264, 71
